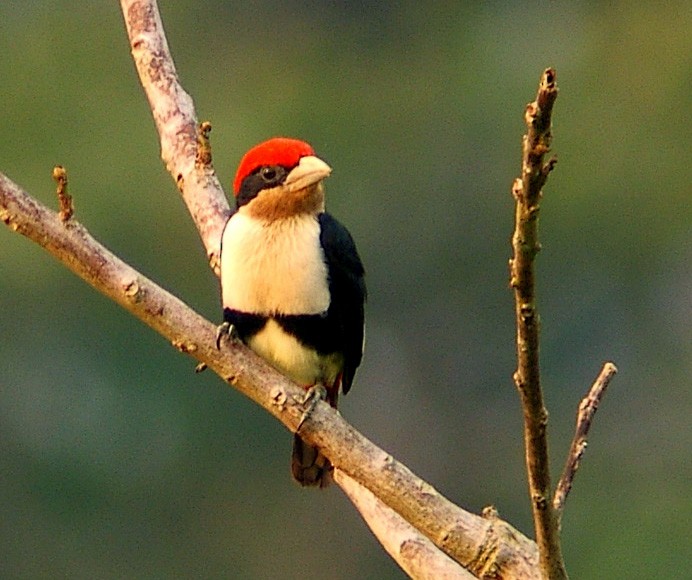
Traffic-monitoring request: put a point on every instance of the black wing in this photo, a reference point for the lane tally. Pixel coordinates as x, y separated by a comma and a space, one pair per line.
347, 292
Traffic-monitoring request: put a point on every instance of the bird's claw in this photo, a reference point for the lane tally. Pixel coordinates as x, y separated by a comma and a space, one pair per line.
226, 330
313, 395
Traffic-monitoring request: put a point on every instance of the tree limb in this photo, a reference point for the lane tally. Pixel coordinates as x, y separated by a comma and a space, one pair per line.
471, 540
175, 119
414, 553
527, 193
176, 123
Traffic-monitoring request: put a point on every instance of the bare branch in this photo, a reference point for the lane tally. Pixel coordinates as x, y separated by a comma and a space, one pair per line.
527, 193
466, 537
176, 122
414, 553
587, 411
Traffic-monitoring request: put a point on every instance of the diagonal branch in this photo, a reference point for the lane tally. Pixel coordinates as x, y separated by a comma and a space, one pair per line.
527, 194
415, 553
475, 542
176, 123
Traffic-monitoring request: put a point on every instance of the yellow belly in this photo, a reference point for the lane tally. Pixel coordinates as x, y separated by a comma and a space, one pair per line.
297, 361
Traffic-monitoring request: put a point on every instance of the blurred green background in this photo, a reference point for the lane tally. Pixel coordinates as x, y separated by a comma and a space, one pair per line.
117, 461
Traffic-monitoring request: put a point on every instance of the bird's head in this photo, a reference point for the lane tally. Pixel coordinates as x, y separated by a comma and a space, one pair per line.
280, 178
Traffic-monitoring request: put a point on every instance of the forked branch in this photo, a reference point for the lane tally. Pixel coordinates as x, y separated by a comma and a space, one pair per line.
427, 534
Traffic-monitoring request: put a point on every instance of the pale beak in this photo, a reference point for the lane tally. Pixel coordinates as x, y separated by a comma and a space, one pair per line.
309, 171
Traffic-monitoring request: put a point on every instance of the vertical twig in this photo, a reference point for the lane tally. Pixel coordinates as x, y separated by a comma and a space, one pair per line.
527, 193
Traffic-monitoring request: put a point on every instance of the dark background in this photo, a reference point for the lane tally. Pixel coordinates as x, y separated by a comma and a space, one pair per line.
117, 461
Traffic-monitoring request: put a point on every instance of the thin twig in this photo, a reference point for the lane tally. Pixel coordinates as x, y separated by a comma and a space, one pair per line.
527, 193
587, 410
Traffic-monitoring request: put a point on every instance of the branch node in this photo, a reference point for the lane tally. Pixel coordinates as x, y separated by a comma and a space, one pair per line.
490, 512
131, 289
517, 189
540, 502
549, 166
203, 155
513, 278
278, 396
528, 313
64, 198
184, 346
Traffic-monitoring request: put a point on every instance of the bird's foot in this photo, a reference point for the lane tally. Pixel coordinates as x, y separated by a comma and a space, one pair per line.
225, 330
313, 395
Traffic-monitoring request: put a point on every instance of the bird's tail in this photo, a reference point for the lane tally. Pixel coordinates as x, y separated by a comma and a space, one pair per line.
309, 466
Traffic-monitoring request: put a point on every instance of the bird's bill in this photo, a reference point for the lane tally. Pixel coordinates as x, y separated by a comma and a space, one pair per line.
309, 171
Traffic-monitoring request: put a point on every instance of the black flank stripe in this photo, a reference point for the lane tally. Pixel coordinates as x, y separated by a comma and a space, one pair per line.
318, 331
247, 325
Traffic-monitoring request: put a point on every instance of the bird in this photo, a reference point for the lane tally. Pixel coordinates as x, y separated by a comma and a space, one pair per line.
292, 282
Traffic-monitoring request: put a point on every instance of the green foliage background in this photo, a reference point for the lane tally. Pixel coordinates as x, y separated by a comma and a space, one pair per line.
117, 461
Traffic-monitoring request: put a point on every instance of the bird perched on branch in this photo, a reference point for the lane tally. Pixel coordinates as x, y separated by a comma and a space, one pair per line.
292, 281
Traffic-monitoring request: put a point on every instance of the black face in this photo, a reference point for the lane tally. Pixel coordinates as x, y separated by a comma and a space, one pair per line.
264, 177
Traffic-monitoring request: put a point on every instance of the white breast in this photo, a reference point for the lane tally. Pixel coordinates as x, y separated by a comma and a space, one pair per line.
273, 267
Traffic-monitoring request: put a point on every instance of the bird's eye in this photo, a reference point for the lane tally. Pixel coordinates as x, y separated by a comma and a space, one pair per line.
261, 178
268, 174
